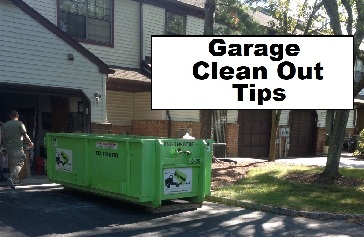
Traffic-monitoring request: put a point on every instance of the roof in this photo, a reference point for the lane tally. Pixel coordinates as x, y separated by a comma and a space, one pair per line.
196, 3
261, 18
103, 67
130, 80
190, 7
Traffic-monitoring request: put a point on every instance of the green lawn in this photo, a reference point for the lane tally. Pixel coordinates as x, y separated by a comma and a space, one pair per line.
266, 185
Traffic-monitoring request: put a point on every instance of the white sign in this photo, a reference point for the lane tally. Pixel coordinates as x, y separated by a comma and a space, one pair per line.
63, 159
109, 145
177, 180
246, 72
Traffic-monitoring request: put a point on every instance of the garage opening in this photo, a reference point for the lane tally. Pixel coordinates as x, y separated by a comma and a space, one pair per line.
45, 109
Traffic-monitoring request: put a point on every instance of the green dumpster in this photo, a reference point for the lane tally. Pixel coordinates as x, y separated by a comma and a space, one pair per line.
143, 170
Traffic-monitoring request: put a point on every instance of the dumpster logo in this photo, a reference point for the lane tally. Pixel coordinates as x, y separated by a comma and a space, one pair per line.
54, 141
177, 180
63, 160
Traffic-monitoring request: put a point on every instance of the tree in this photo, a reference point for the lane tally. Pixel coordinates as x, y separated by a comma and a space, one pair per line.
351, 10
276, 114
206, 115
232, 19
285, 24
311, 19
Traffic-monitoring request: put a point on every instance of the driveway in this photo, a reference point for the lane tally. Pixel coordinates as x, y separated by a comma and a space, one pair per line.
51, 211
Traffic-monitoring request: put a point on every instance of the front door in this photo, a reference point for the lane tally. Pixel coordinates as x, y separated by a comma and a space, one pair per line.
254, 133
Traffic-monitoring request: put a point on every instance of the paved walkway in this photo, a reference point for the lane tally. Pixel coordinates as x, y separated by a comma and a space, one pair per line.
346, 160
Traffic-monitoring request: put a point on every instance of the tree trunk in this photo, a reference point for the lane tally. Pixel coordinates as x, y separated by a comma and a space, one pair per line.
276, 114
206, 124
210, 7
206, 115
335, 144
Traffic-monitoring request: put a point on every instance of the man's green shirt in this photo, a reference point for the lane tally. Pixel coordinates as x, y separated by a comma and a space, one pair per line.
12, 135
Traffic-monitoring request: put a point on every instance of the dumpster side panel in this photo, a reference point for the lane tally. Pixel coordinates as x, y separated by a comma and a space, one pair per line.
108, 164
142, 171
66, 158
186, 168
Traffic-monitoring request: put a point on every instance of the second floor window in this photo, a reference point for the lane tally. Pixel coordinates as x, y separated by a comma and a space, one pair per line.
175, 24
90, 20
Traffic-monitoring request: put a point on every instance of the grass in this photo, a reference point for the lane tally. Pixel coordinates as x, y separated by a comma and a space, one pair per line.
266, 185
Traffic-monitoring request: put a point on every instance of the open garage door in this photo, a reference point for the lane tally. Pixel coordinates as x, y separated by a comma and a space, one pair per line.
46, 109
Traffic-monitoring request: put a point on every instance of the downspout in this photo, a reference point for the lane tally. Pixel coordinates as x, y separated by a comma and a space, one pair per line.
169, 124
355, 120
104, 110
141, 33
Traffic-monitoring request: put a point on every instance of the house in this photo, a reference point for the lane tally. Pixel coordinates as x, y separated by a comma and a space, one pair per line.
54, 82
118, 33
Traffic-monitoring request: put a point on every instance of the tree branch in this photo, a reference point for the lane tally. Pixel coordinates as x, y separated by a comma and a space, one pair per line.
298, 18
359, 31
310, 18
332, 10
349, 10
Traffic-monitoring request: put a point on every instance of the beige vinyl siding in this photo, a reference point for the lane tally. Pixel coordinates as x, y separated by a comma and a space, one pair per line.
120, 107
30, 54
195, 26
47, 8
321, 118
185, 115
126, 37
321, 114
143, 107
283, 121
232, 116
153, 24
126, 32
351, 118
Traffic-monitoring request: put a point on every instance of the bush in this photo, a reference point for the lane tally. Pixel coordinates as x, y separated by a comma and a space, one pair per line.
360, 145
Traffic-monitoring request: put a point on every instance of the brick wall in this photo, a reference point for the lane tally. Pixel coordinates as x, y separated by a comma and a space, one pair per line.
122, 130
157, 128
321, 138
101, 128
232, 139
180, 128
160, 128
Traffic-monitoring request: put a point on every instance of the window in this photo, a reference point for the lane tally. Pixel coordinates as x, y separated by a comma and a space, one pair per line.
175, 24
90, 20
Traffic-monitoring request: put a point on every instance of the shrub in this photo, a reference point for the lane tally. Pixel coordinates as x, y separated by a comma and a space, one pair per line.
360, 145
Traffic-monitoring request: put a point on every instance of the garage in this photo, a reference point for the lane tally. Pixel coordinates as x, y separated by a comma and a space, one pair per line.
302, 125
254, 133
55, 83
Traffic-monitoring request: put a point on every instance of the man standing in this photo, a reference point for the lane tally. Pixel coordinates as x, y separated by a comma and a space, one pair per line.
12, 134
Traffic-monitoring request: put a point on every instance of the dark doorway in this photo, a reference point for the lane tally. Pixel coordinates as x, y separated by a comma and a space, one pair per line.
254, 133
302, 132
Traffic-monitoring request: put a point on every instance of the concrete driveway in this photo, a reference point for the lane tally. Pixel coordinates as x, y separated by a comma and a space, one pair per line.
346, 160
